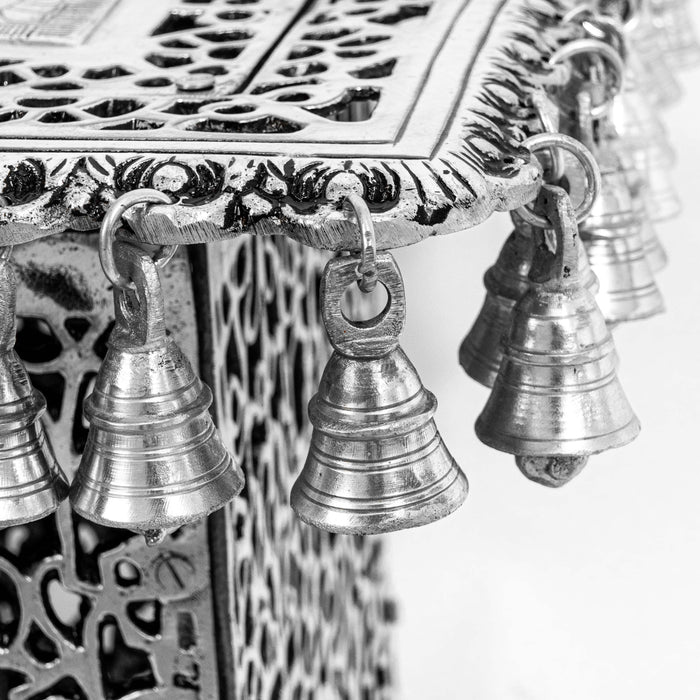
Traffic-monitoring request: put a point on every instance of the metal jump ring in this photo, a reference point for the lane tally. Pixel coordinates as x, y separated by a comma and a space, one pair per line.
367, 268
5, 251
575, 12
558, 164
588, 163
581, 47
111, 223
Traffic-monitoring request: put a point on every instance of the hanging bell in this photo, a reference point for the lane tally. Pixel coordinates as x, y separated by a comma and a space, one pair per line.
612, 235
557, 399
506, 283
377, 462
635, 122
654, 251
647, 70
31, 482
153, 460
653, 248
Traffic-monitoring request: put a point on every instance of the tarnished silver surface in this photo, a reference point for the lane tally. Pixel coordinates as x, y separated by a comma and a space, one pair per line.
256, 605
263, 116
153, 460
506, 283
557, 394
32, 483
377, 462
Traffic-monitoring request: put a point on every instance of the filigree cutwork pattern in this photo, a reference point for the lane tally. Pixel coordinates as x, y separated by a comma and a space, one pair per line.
282, 109
89, 612
309, 618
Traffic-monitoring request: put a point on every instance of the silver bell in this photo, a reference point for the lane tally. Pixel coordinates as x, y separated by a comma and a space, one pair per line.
377, 462
506, 283
153, 460
557, 399
31, 482
612, 235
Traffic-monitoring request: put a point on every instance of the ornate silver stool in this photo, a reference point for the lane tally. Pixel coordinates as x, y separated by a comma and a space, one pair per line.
258, 117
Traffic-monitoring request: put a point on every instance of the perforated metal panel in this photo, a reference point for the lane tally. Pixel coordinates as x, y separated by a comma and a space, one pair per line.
253, 606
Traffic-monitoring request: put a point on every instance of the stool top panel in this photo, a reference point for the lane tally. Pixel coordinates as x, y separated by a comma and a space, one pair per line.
261, 115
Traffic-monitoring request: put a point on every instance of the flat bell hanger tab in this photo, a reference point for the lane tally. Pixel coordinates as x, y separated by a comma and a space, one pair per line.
153, 460
376, 462
367, 267
32, 484
557, 399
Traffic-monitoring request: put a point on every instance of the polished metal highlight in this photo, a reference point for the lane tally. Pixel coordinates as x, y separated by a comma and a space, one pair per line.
377, 462
263, 118
168, 602
506, 283
154, 460
557, 398
32, 484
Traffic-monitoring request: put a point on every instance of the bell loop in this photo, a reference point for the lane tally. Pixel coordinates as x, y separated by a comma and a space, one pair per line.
588, 164
548, 114
373, 338
366, 270
376, 462
555, 259
139, 308
112, 224
594, 48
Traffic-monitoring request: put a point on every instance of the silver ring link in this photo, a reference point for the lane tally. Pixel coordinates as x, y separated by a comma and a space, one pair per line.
111, 224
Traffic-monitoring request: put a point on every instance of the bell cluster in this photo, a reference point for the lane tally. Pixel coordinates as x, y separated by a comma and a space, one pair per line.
581, 259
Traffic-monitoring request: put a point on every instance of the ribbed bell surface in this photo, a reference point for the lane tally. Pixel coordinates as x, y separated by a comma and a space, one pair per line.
377, 462
612, 235
153, 460
506, 282
557, 398
32, 484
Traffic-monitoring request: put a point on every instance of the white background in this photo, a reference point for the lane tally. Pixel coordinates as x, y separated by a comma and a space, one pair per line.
587, 593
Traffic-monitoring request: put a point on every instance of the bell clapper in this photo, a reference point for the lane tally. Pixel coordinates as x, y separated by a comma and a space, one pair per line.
154, 460
553, 471
154, 537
